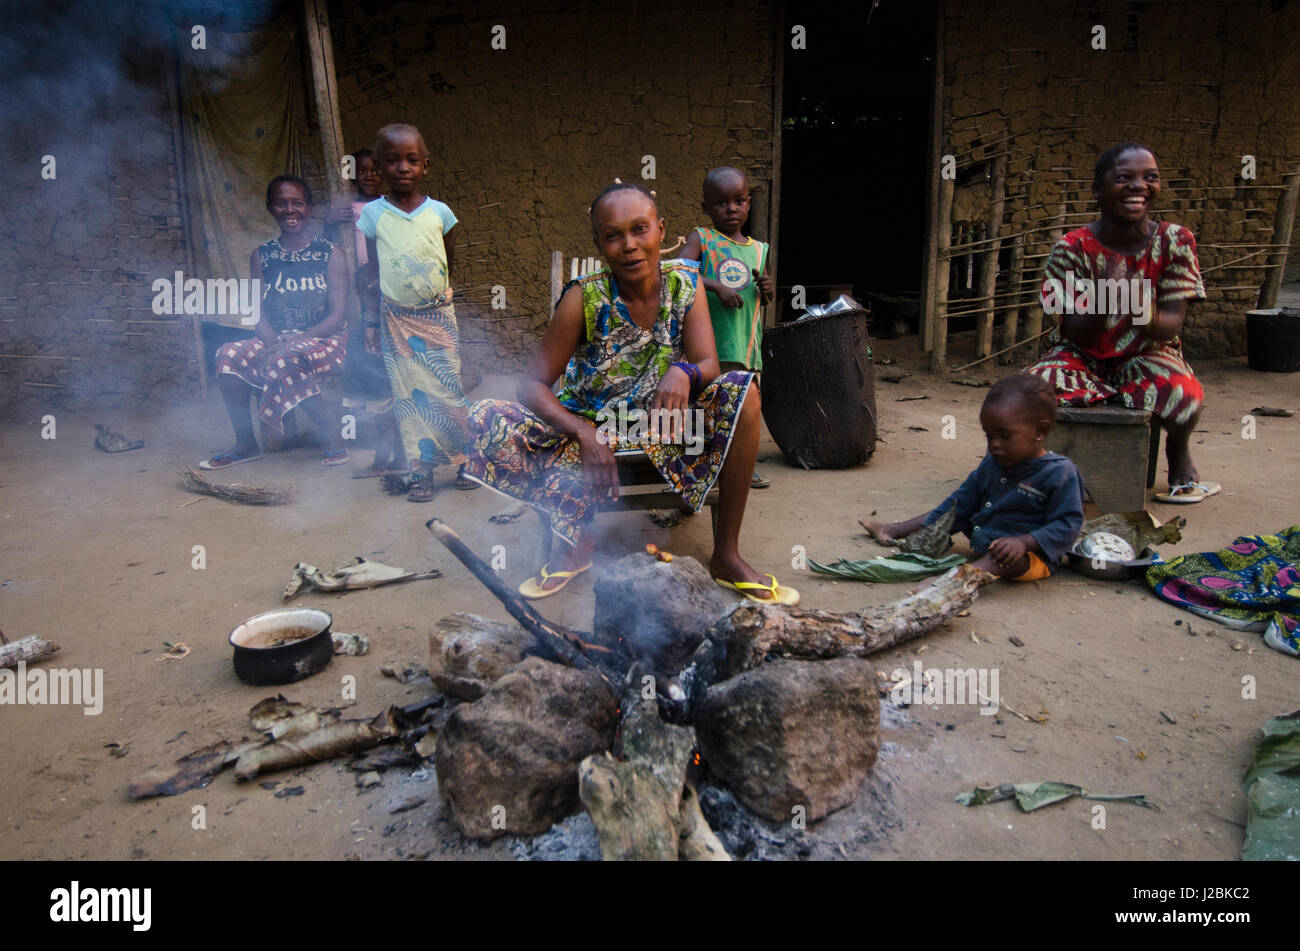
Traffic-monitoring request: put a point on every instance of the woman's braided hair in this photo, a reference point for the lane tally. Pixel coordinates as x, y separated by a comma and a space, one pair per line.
617, 186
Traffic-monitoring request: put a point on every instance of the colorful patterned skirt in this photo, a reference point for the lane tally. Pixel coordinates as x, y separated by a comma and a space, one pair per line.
515, 452
287, 373
1252, 585
422, 357
1158, 380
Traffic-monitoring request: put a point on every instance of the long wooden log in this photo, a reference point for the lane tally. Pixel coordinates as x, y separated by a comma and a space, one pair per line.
555, 641
752, 631
27, 648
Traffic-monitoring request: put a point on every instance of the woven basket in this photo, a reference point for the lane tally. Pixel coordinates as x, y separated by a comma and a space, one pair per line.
819, 392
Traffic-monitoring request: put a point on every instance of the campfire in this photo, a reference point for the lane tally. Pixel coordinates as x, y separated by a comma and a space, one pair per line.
676, 680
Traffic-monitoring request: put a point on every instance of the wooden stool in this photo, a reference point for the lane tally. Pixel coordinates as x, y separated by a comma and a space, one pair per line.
640, 488
1116, 450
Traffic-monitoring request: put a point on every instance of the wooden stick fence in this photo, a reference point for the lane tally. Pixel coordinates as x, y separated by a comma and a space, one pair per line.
958, 252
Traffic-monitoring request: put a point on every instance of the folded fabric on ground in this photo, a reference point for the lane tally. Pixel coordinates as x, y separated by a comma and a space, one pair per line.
906, 566
1252, 585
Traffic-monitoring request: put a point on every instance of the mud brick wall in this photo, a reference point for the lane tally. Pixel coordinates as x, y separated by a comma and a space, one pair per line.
80, 253
1201, 83
523, 138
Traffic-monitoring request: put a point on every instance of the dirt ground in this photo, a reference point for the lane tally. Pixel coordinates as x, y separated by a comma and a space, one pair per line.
96, 554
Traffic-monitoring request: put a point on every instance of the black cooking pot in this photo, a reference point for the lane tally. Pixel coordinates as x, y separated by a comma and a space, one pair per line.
282, 646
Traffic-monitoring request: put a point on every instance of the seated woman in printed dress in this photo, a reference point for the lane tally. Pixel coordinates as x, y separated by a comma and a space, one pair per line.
1132, 357
299, 339
634, 336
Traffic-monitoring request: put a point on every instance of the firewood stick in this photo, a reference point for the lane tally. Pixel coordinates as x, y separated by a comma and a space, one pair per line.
27, 648
753, 631
556, 643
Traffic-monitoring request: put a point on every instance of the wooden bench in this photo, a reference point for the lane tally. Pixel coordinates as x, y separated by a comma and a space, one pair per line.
640, 489
1116, 449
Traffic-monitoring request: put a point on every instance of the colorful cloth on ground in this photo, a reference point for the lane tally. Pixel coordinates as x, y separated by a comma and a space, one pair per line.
618, 360
294, 289
519, 455
737, 330
422, 356
411, 252
1252, 585
1121, 363
286, 374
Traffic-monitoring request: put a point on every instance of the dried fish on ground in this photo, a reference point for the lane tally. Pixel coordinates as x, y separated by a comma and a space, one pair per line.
327, 742
195, 481
25, 649
354, 645
350, 577
293, 735
1271, 411
108, 441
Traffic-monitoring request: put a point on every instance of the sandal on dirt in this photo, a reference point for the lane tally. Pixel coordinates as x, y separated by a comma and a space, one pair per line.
779, 593
1188, 492
759, 482
463, 482
422, 488
335, 457
224, 460
532, 588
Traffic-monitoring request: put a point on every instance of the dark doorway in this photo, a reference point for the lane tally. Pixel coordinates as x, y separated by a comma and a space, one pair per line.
854, 147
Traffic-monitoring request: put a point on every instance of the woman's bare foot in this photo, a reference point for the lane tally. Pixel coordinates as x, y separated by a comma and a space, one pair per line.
570, 558
734, 568
877, 530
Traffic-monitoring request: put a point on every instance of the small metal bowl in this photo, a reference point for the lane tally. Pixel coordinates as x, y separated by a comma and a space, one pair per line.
282, 646
1111, 570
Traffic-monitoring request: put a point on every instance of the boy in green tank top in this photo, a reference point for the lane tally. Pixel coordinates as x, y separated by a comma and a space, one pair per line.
733, 268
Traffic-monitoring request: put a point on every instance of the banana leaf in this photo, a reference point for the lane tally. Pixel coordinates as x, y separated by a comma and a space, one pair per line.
905, 566
1031, 796
1272, 785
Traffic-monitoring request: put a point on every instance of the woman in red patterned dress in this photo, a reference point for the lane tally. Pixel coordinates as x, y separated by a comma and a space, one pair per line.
1120, 287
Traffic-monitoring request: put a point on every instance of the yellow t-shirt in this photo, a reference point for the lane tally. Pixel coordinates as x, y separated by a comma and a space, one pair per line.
410, 250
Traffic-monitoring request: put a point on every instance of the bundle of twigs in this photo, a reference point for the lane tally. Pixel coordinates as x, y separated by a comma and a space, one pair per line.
244, 494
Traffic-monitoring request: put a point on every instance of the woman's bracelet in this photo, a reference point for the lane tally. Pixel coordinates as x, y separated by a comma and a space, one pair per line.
692, 371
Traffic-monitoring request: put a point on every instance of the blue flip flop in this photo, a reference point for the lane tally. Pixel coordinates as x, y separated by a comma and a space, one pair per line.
224, 460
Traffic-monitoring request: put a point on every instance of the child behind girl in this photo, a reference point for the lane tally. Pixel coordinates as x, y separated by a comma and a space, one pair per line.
410, 254
1022, 507
733, 268
365, 381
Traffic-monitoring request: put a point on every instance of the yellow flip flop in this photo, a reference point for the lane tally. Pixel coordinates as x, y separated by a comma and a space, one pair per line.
532, 588
780, 594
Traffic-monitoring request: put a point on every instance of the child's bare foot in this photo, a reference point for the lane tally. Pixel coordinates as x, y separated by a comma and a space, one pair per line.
877, 530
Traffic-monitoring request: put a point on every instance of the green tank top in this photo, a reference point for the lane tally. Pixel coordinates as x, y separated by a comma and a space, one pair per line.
737, 330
